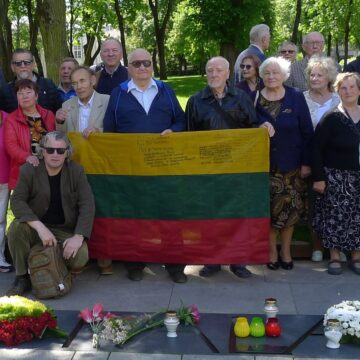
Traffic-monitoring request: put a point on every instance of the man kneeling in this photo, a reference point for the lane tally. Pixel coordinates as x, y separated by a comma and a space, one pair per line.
52, 203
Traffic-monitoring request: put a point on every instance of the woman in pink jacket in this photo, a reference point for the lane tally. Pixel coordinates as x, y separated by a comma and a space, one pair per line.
4, 193
25, 127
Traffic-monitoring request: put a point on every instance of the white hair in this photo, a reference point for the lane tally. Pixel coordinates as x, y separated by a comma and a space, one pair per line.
288, 42
305, 37
226, 62
258, 31
283, 64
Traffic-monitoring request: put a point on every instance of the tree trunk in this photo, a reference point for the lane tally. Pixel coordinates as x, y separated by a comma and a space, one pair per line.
347, 32
6, 43
160, 29
121, 25
34, 30
295, 32
53, 32
154, 60
337, 52
229, 52
328, 45
71, 29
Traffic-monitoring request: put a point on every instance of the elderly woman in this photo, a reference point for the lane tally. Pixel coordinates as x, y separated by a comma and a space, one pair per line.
288, 50
286, 110
336, 174
25, 127
249, 69
320, 75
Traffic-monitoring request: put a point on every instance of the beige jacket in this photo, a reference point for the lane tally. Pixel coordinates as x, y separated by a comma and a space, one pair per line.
98, 109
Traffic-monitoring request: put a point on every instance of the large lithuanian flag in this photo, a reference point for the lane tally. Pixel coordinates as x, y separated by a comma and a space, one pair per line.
191, 197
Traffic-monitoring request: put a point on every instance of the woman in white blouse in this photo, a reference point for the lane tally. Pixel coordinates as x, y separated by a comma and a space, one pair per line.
320, 74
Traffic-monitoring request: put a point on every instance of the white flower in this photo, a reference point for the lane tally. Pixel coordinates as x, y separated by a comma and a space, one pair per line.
345, 325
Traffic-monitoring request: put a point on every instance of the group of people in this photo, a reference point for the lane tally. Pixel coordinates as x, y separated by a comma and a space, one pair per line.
311, 115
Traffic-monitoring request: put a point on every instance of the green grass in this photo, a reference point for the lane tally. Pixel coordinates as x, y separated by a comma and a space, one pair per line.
185, 86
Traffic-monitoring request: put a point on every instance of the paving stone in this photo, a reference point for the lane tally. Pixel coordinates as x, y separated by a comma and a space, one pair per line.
273, 357
93, 355
132, 356
247, 296
9, 354
315, 299
218, 357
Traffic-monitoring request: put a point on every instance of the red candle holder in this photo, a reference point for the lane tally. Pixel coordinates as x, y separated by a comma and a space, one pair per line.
272, 327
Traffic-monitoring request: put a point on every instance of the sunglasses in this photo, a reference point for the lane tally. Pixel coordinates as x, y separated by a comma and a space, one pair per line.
22, 62
247, 66
137, 63
51, 150
287, 51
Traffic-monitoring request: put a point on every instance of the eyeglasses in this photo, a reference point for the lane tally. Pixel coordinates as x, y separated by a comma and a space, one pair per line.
247, 66
287, 51
51, 150
137, 63
22, 62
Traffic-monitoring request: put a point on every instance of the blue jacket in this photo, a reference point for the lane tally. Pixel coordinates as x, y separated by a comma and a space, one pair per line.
291, 145
125, 114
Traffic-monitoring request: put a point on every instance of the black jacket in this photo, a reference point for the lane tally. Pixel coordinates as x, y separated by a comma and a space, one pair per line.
49, 97
202, 114
353, 66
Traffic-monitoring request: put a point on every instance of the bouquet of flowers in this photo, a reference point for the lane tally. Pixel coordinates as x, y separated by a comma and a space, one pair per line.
120, 329
22, 319
348, 313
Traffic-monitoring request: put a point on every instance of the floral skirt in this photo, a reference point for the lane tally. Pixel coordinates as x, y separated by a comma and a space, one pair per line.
337, 211
287, 198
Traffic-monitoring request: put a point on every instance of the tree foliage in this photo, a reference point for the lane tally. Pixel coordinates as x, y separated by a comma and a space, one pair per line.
178, 33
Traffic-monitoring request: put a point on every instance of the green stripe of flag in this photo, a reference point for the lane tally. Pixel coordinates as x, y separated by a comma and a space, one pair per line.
181, 197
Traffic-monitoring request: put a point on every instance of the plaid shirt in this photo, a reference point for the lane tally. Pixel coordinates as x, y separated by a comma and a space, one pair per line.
297, 75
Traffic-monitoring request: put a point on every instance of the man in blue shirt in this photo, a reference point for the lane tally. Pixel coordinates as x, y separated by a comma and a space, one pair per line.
145, 105
65, 88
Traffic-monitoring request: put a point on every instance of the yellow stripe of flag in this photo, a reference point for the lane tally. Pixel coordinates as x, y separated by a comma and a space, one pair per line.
185, 153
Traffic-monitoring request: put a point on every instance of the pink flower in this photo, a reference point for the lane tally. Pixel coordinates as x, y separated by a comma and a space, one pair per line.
195, 313
86, 315
97, 311
109, 315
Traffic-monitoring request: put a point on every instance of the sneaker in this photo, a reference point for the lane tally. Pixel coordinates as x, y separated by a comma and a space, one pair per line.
6, 268
343, 257
317, 256
21, 285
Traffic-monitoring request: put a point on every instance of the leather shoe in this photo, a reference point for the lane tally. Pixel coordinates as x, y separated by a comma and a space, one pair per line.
240, 271
334, 267
354, 265
21, 285
178, 277
273, 265
208, 271
105, 270
287, 265
135, 274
